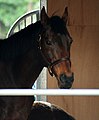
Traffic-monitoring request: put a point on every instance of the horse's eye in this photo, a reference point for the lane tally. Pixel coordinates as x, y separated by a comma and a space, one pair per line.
71, 41
48, 42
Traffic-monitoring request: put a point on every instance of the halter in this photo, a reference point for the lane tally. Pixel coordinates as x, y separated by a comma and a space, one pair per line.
51, 65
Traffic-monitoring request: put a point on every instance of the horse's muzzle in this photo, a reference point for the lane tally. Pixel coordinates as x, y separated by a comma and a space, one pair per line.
66, 82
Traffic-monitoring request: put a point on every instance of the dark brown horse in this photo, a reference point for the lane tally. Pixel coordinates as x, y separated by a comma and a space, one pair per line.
24, 54
46, 111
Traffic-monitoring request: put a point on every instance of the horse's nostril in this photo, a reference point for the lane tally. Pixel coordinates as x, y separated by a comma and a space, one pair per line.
63, 78
65, 81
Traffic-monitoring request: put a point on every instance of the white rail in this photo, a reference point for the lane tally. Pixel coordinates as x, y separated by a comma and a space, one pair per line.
51, 92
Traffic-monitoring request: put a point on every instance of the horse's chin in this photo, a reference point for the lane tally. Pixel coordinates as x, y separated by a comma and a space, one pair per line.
64, 86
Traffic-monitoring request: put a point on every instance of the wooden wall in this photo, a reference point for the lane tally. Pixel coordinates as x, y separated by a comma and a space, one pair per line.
83, 25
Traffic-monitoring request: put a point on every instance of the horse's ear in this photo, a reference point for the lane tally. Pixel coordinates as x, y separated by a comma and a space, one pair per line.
44, 16
65, 15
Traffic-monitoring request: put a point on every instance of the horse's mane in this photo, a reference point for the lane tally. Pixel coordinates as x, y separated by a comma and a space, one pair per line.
20, 42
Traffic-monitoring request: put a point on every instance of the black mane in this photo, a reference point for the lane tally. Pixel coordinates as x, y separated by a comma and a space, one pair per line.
19, 43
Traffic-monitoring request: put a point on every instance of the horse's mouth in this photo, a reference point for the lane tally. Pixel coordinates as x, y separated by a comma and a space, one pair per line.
65, 82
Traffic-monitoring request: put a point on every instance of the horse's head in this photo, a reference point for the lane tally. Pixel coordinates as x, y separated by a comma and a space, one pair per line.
55, 43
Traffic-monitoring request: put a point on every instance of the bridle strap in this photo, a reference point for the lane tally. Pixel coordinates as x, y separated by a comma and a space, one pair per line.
51, 65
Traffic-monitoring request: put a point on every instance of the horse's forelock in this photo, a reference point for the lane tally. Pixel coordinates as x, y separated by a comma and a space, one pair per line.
57, 24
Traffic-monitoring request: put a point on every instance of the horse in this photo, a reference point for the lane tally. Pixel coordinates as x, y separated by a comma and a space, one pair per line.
23, 55
47, 111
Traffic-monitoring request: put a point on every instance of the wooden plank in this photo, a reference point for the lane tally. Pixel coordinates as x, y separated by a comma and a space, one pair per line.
81, 12
91, 12
56, 6
85, 56
81, 108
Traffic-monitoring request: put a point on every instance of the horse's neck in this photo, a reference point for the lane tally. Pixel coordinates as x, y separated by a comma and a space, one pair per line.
20, 42
23, 70
29, 68
21, 73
